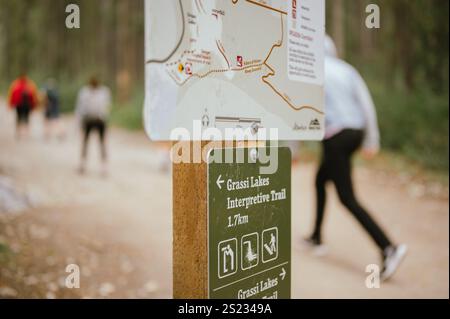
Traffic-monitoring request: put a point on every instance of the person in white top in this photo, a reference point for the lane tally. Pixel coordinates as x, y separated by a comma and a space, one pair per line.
351, 125
92, 109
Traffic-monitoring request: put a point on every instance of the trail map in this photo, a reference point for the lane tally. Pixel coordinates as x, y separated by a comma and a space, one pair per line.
235, 63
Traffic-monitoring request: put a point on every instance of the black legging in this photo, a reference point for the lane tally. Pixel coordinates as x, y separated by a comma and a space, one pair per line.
88, 126
336, 166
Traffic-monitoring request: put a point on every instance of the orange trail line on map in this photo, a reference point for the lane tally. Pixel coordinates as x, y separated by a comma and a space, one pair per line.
265, 63
222, 50
273, 73
262, 5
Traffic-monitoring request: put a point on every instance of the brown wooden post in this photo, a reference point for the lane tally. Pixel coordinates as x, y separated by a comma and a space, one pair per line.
190, 258
190, 217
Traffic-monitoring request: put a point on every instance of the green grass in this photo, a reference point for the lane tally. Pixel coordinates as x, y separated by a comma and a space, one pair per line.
129, 115
415, 125
68, 91
387, 161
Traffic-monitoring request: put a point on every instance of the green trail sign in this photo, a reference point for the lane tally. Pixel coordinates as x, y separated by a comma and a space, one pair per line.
249, 228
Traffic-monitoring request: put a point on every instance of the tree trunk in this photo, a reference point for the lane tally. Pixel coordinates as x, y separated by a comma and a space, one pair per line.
124, 52
338, 27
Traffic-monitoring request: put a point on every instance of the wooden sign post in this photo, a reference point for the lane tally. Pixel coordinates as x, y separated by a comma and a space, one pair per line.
190, 260
232, 227
208, 73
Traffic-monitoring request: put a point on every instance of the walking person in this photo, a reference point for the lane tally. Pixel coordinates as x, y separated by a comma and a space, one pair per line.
351, 124
23, 98
52, 110
92, 109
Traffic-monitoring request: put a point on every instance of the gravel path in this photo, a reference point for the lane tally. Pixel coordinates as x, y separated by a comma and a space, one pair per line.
118, 229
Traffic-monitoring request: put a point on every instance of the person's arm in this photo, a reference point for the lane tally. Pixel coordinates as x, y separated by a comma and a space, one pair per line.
371, 143
10, 95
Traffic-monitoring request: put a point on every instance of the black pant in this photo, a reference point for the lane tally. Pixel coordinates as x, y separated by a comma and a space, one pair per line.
98, 125
23, 114
336, 167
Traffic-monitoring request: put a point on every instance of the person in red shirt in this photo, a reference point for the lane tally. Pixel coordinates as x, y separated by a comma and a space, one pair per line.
23, 98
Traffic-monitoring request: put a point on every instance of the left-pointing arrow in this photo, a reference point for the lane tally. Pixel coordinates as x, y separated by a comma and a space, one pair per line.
219, 182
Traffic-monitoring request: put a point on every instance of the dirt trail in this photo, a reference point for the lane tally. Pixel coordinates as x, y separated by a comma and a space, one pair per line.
118, 229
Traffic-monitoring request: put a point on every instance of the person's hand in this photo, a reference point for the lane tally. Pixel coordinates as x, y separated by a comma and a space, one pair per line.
369, 153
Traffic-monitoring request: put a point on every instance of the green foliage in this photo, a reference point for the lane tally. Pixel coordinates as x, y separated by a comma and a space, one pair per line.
68, 91
414, 124
129, 115
405, 62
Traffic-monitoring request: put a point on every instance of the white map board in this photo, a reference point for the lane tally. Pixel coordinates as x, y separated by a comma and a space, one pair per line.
235, 63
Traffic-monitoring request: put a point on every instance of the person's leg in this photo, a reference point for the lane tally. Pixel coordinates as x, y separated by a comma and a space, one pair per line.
19, 119
101, 126
22, 122
47, 125
345, 145
321, 196
87, 128
26, 122
102, 134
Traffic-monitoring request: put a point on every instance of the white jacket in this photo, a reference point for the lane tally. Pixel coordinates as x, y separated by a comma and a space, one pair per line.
93, 103
348, 103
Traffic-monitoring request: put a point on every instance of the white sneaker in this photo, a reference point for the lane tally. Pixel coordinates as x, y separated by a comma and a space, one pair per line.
318, 249
392, 260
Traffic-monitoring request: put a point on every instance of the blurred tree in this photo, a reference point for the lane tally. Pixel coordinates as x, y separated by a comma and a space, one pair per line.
412, 42
110, 42
338, 27
409, 51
